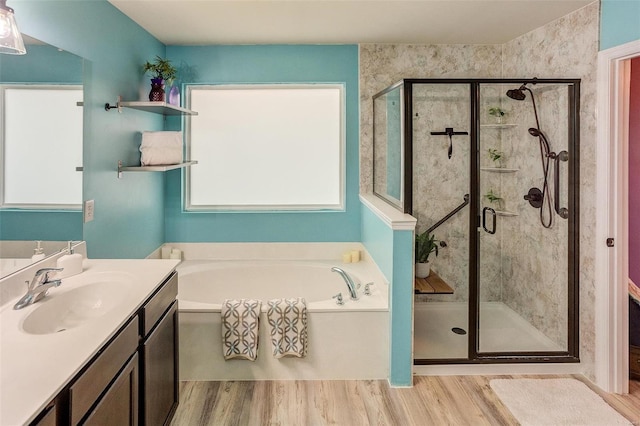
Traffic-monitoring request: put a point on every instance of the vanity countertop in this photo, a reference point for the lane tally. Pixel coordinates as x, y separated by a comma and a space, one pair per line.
34, 368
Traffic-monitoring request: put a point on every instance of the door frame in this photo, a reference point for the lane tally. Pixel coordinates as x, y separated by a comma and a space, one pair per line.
612, 183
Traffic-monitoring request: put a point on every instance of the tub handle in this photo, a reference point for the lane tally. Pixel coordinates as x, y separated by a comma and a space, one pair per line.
367, 289
339, 299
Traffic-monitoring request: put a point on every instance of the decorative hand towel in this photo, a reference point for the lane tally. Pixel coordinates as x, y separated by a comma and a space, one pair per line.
161, 148
240, 324
288, 321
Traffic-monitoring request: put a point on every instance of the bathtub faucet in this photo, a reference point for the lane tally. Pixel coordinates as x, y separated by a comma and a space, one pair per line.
347, 279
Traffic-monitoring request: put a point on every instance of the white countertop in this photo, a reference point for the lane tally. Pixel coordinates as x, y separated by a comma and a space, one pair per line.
35, 368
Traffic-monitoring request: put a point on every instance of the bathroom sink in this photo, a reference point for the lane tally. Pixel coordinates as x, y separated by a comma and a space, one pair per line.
95, 296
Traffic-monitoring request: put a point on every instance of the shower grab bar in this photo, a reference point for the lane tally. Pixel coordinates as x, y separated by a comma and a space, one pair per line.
563, 212
447, 217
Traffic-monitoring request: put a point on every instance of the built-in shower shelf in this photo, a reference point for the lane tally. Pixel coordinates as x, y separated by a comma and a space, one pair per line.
506, 213
433, 284
498, 170
498, 126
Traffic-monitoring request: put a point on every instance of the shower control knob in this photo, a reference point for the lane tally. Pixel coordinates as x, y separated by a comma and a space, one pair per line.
534, 197
339, 299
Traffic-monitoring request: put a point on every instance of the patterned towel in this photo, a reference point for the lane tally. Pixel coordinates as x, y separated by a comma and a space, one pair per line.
288, 321
240, 321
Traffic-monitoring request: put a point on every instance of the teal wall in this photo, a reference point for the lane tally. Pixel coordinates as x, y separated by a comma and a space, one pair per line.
270, 64
619, 22
392, 251
44, 65
129, 220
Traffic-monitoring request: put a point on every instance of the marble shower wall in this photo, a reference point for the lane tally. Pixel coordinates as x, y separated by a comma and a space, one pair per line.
565, 48
568, 47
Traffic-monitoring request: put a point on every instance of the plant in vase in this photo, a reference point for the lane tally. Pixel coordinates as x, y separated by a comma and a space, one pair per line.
497, 112
161, 71
497, 157
494, 198
425, 245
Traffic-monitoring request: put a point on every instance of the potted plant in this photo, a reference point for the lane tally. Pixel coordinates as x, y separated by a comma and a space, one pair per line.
496, 156
497, 112
494, 198
425, 245
161, 71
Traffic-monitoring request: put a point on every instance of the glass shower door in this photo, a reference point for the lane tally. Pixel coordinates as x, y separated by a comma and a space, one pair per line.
525, 218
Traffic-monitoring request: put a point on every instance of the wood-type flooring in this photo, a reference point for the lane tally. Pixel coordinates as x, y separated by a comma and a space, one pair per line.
433, 400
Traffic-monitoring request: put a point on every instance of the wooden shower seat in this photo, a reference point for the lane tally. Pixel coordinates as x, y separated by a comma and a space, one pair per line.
433, 284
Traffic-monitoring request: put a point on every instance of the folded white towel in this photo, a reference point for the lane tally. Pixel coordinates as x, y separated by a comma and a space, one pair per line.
240, 324
288, 321
161, 148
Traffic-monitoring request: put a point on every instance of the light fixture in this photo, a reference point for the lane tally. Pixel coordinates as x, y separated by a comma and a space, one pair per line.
10, 37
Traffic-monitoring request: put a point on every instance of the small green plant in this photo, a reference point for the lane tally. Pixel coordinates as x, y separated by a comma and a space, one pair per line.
425, 245
493, 197
161, 68
496, 112
496, 156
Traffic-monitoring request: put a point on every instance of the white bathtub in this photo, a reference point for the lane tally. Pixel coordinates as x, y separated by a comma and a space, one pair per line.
345, 342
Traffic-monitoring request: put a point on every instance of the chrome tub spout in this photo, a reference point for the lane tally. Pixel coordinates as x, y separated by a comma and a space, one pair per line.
349, 281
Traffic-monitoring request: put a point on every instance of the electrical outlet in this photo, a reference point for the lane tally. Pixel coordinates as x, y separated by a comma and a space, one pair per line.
88, 210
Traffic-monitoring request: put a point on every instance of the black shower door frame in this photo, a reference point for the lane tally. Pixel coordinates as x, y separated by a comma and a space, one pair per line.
571, 355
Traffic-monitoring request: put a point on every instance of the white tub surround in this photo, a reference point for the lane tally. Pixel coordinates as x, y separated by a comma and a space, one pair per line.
349, 341
35, 367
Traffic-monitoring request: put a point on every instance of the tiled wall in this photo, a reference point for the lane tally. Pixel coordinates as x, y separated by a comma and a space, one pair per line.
565, 48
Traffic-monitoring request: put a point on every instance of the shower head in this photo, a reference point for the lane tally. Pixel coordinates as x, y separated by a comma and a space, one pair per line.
535, 132
517, 94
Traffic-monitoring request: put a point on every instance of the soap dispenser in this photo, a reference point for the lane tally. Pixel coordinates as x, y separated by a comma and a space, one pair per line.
70, 263
38, 252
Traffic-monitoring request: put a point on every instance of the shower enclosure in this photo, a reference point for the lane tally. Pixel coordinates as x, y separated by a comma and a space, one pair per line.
490, 167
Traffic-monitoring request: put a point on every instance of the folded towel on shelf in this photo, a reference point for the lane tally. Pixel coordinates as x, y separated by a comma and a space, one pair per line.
288, 321
240, 325
161, 148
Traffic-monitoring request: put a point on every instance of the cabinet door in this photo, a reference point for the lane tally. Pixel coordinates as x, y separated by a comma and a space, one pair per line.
160, 370
48, 417
119, 406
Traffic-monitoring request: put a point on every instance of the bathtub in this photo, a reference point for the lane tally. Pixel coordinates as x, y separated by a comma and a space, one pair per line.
349, 341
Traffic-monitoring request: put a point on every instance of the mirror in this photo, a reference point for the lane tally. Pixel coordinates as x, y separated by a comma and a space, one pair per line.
40, 195
388, 146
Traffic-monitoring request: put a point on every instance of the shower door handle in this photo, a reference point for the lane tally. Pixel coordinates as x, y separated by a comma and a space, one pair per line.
563, 212
493, 221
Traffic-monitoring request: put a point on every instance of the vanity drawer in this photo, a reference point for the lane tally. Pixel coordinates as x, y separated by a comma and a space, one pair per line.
86, 390
158, 304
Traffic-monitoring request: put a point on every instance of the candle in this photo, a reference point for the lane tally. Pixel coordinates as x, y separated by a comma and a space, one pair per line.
165, 252
355, 256
346, 257
176, 254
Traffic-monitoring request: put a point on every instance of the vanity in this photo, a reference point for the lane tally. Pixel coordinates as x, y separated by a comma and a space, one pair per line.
100, 349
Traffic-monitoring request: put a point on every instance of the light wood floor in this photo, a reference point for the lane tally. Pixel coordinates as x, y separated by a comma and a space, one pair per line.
445, 400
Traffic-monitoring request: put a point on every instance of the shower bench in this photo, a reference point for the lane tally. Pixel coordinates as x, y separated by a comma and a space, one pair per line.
432, 284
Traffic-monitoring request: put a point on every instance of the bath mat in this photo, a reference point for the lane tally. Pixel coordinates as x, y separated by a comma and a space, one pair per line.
288, 321
240, 323
543, 402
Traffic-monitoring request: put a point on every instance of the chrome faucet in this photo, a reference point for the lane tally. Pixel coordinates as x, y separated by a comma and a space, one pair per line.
347, 279
39, 287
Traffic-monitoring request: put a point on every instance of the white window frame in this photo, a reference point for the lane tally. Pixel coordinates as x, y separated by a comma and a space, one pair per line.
341, 145
44, 205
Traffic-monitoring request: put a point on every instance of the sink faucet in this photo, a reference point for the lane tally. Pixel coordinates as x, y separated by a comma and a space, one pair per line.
347, 279
39, 287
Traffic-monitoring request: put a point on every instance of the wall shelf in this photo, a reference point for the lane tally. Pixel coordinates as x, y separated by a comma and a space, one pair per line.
498, 170
154, 107
163, 168
506, 213
498, 126
432, 284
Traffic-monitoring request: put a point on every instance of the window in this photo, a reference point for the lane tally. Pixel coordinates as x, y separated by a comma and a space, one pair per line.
41, 146
266, 147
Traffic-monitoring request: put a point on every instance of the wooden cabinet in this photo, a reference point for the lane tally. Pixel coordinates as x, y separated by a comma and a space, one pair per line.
133, 379
634, 362
159, 356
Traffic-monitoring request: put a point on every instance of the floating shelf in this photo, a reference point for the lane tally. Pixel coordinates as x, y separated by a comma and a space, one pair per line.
433, 284
498, 170
168, 167
498, 126
154, 107
506, 213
